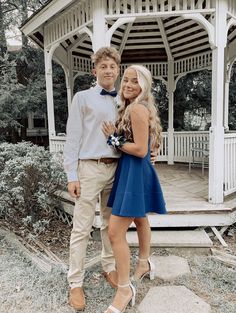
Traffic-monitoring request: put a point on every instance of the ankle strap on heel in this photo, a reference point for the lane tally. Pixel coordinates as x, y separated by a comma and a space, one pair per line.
124, 286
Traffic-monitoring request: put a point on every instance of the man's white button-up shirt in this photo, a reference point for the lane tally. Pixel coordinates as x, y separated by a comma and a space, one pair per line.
85, 139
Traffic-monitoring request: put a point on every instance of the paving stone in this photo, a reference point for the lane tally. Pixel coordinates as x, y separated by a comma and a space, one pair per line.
170, 267
172, 299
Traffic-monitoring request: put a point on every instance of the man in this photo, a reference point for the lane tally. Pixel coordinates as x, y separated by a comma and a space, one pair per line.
90, 165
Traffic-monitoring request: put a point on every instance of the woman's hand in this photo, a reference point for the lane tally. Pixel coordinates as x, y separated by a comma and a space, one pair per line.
108, 128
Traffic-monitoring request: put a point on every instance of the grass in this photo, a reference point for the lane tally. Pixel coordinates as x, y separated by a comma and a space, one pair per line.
25, 289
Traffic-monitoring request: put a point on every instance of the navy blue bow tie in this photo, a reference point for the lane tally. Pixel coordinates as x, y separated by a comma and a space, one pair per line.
112, 93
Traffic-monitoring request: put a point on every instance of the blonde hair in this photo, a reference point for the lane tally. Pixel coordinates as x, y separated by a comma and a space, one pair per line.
106, 52
145, 98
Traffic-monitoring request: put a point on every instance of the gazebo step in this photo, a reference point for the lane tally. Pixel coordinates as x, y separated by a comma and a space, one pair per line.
182, 216
174, 238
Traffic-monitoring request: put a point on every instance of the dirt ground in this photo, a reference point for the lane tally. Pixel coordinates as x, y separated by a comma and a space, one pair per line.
26, 289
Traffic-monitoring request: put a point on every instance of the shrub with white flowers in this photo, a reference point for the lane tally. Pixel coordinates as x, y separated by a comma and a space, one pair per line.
29, 176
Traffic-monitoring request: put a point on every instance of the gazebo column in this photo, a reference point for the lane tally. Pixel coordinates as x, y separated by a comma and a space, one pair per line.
99, 24
216, 155
69, 79
68, 89
170, 131
48, 53
226, 89
226, 101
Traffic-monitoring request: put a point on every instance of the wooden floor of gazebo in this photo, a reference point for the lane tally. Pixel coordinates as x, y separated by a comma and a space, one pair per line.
186, 196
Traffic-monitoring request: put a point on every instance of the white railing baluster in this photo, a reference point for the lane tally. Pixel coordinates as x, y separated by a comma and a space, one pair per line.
230, 163
139, 6
117, 6
177, 7
162, 8
154, 4
110, 7
192, 4
125, 7
185, 5
133, 6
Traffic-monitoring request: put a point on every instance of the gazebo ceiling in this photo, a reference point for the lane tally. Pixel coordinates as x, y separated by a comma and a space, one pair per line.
148, 39
143, 40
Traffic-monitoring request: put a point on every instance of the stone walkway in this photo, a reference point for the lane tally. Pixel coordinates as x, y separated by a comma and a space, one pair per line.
172, 299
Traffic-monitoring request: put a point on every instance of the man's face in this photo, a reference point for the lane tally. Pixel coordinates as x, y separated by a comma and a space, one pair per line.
106, 72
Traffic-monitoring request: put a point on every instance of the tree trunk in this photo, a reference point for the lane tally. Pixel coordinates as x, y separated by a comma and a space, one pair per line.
24, 128
3, 42
24, 16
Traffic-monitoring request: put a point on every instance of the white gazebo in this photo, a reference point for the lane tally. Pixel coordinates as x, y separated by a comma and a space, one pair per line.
171, 38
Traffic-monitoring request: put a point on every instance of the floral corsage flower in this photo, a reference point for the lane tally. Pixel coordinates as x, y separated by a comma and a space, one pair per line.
116, 141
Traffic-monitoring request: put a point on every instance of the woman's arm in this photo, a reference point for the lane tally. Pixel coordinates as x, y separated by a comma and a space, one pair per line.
140, 127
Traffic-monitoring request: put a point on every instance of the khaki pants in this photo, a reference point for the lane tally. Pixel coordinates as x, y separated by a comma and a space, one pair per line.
95, 178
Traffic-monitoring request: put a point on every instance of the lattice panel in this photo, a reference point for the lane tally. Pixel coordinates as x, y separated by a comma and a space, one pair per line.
64, 216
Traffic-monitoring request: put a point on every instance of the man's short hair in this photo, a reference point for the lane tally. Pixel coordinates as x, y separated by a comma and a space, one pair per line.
106, 52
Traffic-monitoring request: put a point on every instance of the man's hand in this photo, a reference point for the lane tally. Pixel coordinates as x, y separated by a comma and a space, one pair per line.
153, 156
74, 189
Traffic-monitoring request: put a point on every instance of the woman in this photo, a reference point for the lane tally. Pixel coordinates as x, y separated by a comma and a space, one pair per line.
136, 189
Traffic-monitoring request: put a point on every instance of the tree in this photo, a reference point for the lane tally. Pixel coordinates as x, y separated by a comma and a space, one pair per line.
160, 93
232, 99
22, 80
193, 96
9, 88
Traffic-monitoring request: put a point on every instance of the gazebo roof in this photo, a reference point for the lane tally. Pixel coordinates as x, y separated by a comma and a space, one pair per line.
149, 38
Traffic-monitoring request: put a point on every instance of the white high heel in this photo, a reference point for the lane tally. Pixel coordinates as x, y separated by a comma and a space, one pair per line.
150, 272
131, 300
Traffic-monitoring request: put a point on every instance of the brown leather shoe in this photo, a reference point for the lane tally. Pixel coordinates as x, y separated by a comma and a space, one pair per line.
77, 298
111, 278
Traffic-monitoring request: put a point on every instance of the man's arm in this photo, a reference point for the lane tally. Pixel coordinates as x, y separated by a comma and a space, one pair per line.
72, 146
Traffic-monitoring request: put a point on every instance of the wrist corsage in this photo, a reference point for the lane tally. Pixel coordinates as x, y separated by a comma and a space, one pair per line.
116, 141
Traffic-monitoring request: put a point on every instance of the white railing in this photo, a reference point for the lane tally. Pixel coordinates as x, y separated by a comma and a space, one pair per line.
81, 64
57, 144
119, 7
182, 144
230, 163
163, 150
69, 21
157, 69
193, 63
186, 65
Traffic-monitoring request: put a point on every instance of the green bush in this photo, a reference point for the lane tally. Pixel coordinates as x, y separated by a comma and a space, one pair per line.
29, 176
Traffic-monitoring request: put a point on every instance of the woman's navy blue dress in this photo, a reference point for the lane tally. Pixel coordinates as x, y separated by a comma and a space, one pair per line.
136, 189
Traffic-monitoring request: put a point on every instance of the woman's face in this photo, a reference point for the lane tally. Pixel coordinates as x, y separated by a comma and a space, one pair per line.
130, 86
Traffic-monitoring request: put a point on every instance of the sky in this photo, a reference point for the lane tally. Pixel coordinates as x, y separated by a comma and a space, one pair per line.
13, 37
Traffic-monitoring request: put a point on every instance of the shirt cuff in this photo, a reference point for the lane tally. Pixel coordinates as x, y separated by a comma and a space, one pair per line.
72, 176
